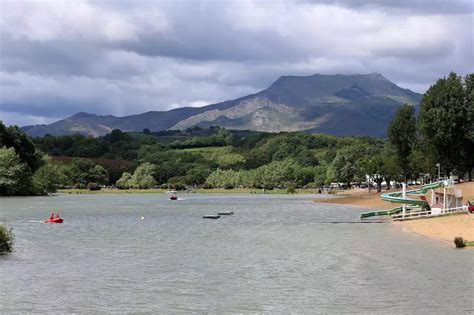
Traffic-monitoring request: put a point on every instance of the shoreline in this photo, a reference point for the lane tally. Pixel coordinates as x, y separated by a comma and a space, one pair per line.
443, 229
307, 191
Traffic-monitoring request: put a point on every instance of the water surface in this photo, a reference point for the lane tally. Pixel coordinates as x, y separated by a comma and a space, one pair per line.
276, 253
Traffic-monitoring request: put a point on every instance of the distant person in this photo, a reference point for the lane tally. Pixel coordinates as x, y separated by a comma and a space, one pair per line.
51, 216
57, 216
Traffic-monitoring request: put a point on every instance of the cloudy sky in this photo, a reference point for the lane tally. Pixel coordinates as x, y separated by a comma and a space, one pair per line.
58, 58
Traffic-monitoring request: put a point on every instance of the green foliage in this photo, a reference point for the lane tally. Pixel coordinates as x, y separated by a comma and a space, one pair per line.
459, 242
143, 177
379, 167
124, 181
48, 178
116, 145
13, 137
15, 176
402, 136
93, 186
291, 189
444, 121
84, 171
320, 176
6, 239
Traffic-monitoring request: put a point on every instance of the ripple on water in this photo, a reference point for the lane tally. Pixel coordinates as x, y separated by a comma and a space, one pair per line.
275, 254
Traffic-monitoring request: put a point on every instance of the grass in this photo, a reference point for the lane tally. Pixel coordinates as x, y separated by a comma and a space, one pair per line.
199, 190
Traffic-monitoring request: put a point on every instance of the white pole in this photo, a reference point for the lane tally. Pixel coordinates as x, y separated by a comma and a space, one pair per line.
444, 197
404, 196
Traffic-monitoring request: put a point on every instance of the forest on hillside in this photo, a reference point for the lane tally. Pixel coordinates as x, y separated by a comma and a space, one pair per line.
441, 132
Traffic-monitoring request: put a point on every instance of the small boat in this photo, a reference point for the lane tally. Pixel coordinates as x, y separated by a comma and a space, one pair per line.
173, 197
55, 220
226, 213
212, 216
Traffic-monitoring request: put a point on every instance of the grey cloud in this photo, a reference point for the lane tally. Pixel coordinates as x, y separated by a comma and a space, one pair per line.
204, 52
414, 6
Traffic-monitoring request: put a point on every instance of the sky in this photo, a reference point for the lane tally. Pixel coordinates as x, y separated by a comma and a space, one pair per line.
58, 58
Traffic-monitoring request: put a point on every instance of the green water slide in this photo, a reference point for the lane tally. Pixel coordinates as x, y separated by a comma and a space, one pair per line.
397, 197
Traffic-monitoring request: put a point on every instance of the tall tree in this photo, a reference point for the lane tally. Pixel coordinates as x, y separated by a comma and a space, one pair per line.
468, 148
13, 137
15, 176
443, 121
402, 136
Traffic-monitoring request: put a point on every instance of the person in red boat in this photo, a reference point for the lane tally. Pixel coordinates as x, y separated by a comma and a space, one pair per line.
57, 216
51, 216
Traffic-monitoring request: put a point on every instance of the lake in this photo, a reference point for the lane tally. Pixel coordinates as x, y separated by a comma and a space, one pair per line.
277, 253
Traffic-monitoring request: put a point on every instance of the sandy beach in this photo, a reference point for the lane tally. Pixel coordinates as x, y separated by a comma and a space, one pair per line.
442, 228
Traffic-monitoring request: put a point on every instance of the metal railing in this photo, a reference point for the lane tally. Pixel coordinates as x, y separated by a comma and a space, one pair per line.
426, 214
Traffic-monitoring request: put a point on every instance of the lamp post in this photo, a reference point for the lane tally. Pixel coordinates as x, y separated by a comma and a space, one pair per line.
439, 173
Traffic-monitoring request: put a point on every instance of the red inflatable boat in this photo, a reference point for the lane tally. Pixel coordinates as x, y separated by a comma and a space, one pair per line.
55, 220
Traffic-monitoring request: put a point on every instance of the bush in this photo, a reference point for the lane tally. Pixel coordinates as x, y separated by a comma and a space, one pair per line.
164, 186
459, 242
291, 189
228, 186
177, 186
6, 239
207, 186
93, 186
268, 186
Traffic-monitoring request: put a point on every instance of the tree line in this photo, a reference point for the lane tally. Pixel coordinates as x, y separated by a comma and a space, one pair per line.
439, 131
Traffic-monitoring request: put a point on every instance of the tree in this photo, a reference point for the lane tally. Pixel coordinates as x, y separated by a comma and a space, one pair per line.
402, 136
443, 121
13, 137
143, 177
124, 181
468, 148
84, 171
15, 176
379, 167
48, 178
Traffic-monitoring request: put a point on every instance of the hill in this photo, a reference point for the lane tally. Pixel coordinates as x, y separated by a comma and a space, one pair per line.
360, 104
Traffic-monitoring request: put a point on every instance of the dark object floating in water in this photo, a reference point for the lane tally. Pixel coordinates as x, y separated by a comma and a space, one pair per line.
211, 216
226, 213
173, 197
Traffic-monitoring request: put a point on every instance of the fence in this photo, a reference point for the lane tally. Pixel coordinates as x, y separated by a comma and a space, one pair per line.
427, 214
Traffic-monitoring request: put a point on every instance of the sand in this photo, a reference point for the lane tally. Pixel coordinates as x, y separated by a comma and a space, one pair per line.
442, 228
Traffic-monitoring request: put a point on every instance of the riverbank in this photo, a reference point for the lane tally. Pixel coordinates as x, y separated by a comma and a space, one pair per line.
200, 191
442, 228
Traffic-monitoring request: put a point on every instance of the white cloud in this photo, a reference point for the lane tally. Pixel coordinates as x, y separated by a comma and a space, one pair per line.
110, 57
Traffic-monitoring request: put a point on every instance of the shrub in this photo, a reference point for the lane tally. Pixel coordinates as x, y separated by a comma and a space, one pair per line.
6, 239
164, 186
207, 186
459, 242
93, 186
291, 189
228, 186
268, 186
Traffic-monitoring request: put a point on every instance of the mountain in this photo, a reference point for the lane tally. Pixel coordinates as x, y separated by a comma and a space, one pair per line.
360, 104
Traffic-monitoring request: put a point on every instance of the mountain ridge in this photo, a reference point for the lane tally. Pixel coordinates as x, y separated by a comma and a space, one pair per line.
357, 104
